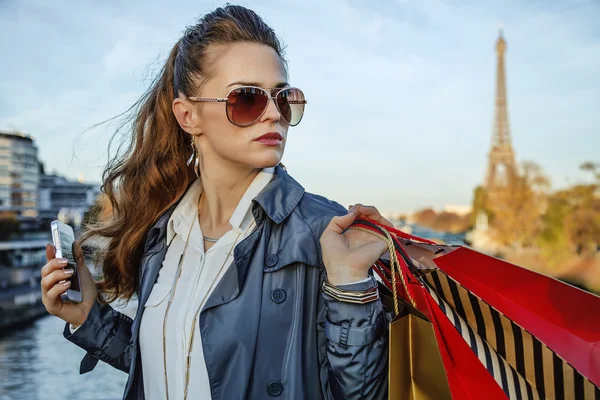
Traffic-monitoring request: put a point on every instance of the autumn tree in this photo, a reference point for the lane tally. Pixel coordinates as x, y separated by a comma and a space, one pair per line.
516, 210
425, 217
571, 224
594, 169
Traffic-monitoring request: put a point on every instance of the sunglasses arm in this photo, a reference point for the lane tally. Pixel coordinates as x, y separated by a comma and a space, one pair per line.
208, 99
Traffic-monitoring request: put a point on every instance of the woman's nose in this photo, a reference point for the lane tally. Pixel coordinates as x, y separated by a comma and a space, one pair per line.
272, 112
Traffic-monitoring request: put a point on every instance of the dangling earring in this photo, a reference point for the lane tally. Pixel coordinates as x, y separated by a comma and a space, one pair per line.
196, 162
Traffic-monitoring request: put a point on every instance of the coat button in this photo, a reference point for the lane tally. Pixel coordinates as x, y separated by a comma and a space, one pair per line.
274, 388
278, 296
271, 260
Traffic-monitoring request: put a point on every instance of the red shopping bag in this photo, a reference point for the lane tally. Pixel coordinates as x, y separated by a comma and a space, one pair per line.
499, 327
561, 316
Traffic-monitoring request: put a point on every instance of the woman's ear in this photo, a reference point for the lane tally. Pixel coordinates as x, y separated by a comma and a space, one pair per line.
186, 115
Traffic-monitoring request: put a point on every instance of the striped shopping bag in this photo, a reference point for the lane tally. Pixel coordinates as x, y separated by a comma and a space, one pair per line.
502, 331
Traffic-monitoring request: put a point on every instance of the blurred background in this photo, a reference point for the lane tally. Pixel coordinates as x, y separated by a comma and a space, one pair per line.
469, 122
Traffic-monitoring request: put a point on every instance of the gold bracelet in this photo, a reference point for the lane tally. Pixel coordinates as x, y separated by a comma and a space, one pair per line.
351, 296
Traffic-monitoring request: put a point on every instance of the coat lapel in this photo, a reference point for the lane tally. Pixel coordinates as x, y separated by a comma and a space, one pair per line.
276, 201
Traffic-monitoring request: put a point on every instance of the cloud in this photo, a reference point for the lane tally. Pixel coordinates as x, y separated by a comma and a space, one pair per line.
401, 93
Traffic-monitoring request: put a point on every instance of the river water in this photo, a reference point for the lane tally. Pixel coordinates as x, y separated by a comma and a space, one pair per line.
37, 362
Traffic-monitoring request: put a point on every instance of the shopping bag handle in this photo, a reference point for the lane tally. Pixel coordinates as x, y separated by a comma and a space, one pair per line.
398, 232
395, 250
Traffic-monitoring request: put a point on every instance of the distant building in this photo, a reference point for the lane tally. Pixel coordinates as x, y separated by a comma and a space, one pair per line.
461, 210
66, 200
31, 196
19, 178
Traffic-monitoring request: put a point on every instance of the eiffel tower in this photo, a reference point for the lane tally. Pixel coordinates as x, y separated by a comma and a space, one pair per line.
502, 169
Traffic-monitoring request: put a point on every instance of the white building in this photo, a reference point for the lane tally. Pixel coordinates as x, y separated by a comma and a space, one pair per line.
19, 177
33, 197
65, 200
461, 210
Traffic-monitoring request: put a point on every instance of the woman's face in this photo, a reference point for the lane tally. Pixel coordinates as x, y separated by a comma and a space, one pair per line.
240, 64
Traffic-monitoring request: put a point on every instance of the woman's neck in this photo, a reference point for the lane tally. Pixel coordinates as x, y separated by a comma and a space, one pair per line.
223, 189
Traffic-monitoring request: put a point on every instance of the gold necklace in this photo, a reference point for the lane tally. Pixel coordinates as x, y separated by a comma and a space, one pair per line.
173, 289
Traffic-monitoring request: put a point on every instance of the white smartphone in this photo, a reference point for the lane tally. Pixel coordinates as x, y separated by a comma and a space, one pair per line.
64, 238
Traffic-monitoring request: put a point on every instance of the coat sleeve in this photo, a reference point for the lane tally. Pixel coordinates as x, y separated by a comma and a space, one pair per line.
353, 347
106, 336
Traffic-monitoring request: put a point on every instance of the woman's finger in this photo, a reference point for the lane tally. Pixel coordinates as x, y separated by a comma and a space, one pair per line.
54, 277
50, 252
372, 213
339, 224
53, 294
53, 265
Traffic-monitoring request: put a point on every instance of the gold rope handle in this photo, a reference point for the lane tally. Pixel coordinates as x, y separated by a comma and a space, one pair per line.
394, 265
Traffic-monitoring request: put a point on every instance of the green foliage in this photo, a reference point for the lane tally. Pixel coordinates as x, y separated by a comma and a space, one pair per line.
572, 221
571, 224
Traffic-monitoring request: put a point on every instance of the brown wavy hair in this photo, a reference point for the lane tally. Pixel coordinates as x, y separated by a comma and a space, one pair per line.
151, 174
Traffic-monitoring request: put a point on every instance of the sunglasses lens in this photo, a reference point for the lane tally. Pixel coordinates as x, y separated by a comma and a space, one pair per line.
291, 105
245, 105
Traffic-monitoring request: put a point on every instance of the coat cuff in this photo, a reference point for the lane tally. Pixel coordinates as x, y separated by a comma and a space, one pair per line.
100, 343
350, 324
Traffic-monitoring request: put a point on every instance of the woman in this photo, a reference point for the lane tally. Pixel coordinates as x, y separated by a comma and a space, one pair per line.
246, 285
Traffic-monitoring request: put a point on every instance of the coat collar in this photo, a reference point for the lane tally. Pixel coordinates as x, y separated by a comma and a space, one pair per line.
279, 198
186, 212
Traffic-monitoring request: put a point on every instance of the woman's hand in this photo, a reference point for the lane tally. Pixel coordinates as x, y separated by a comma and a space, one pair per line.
349, 255
53, 273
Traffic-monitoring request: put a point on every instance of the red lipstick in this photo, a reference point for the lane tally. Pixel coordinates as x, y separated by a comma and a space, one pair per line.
270, 139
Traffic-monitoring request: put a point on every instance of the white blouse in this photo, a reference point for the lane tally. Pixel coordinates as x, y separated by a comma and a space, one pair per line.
200, 273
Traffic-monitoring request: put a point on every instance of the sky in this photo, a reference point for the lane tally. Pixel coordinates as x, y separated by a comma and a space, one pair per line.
400, 93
